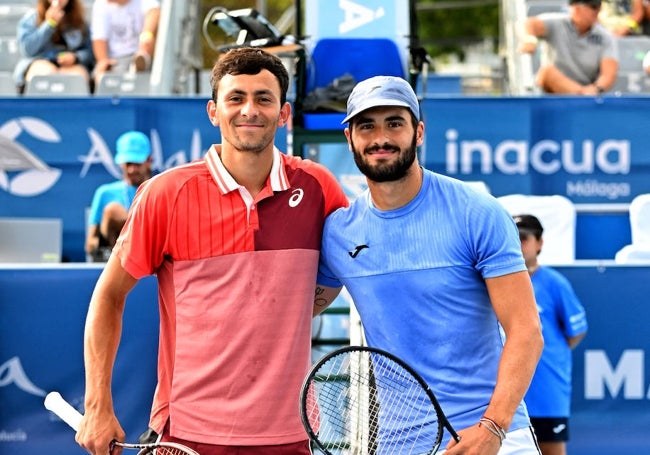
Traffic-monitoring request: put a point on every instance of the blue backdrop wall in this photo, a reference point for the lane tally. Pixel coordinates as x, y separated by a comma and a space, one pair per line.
42, 313
593, 151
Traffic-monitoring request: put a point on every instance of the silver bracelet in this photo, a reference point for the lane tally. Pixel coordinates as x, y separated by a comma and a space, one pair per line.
493, 428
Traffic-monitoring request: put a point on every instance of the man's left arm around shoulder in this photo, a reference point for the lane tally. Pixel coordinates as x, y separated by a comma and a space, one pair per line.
323, 297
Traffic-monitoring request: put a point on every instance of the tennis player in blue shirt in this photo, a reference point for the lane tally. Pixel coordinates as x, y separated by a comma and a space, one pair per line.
564, 325
434, 267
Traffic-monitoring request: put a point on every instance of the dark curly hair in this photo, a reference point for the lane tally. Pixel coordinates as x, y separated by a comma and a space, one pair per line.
249, 60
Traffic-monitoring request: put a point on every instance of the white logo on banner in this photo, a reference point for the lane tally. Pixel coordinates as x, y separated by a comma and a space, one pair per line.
12, 373
511, 157
39, 180
29, 182
357, 15
100, 153
546, 156
627, 376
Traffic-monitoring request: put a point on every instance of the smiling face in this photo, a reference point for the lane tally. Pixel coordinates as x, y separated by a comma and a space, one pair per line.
248, 111
384, 142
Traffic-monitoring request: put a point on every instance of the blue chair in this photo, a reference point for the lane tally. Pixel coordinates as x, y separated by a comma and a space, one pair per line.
360, 57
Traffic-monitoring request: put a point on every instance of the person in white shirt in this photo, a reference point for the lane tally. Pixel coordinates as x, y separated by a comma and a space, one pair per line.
123, 34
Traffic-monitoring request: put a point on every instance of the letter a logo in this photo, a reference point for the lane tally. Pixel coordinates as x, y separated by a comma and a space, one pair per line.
357, 15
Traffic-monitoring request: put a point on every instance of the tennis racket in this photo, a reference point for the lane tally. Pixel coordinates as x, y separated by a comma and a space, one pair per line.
360, 400
55, 403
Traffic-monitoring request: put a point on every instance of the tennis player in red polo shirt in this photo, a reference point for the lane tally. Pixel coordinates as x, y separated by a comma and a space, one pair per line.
234, 239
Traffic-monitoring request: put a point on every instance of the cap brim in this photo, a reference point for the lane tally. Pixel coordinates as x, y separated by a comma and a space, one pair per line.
125, 158
374, 102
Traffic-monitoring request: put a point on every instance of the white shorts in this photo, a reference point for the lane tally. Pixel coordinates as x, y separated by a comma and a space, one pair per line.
518, 442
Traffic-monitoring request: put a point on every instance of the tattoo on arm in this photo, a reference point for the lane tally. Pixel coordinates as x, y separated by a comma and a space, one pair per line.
319, 301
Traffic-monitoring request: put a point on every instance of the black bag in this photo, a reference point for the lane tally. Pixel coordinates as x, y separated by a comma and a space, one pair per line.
332, 98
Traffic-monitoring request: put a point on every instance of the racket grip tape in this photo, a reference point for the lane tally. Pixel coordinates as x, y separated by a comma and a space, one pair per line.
55, 403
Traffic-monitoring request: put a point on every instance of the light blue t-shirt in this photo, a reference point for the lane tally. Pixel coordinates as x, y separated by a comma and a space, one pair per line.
417, 277
562, 316
118, 191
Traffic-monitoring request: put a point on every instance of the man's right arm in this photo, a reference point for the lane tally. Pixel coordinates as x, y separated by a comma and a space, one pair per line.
103, 329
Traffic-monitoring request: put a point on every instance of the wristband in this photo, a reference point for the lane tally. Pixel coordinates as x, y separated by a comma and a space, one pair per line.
146, 36
632, 24
52, 23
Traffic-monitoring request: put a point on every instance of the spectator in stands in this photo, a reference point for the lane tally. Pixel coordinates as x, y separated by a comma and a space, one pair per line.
54, 38
564, 325
112, 201
624, 17
581, 55
234, 240
433, 266
124, 35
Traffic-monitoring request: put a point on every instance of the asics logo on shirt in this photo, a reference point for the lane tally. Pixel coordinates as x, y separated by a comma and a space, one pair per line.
559, 429
296, 197
357, 249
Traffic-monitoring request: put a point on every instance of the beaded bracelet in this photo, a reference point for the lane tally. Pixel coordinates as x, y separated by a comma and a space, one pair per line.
493, 428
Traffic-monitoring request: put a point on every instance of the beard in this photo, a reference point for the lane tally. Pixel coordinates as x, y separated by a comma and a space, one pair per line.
254, 145
386, 171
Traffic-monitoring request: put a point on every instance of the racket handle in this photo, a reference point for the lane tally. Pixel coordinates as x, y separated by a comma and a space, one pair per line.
55, 403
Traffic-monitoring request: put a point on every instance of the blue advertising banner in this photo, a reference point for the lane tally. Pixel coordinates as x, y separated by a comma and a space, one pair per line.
611, 378
42, 322
43, 309
593, 151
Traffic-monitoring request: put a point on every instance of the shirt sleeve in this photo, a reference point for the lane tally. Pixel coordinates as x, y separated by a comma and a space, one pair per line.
150, 4
572, 313
325, 276
611, 47
98, 21
32, 38
494, 237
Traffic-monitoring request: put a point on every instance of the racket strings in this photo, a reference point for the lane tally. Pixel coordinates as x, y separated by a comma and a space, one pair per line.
368, 404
